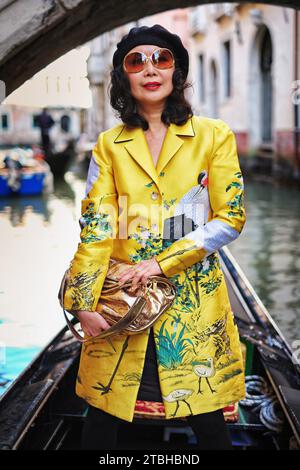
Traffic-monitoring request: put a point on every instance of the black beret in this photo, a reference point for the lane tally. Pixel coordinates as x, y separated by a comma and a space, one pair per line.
157, 35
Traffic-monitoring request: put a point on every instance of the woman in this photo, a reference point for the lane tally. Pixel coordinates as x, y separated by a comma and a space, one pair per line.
164, 192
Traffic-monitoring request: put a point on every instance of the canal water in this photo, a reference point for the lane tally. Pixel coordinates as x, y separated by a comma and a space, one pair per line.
39, 236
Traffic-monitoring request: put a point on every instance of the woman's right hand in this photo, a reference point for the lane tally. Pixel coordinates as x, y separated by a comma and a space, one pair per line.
92, 323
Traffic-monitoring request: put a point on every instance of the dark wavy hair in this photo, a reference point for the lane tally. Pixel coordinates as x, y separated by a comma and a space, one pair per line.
177, 109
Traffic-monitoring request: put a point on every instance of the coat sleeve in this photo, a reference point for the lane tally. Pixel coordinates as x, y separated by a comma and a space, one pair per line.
98, 224
226, 195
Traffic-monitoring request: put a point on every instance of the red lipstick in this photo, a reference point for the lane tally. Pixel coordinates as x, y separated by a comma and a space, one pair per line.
152, 85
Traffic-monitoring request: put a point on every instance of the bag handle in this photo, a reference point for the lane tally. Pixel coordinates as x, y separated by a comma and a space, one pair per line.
134, 311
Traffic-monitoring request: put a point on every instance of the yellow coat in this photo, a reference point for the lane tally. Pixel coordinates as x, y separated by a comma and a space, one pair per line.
133, 211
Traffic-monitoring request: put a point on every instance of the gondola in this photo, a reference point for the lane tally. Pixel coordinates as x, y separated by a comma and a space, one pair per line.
60, 161
40, 411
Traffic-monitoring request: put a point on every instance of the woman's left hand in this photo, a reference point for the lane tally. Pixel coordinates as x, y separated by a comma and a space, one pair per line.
140, 272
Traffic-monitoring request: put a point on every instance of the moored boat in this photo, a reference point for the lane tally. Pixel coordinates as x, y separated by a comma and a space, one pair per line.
24, 172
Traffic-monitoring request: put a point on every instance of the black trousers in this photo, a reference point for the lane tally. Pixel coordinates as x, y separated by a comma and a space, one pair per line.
100, 429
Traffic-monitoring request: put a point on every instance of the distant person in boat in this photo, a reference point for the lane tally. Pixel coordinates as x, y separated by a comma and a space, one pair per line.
45, 122
14, 172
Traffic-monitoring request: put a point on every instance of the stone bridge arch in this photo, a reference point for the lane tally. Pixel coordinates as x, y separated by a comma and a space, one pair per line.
35, 33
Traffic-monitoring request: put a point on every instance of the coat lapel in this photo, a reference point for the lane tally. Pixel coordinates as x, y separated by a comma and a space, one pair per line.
135, 142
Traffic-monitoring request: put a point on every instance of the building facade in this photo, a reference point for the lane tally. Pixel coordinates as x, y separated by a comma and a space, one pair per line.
63, 88
244, 67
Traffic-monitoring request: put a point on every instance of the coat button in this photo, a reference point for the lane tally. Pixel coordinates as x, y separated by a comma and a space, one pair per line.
154, 195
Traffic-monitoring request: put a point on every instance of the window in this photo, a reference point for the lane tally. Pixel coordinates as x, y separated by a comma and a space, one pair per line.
65, 123
4, 121
35, 121
201, 79
227, 68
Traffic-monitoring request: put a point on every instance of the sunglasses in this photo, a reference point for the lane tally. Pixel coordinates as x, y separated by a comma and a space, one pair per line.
135, 62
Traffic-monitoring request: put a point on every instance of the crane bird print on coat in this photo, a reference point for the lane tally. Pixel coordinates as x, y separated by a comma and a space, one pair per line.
177, 396
181, 212
204, 369
189, 212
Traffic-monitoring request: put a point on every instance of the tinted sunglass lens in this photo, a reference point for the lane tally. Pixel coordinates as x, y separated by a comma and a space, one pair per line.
163, 59
134, 62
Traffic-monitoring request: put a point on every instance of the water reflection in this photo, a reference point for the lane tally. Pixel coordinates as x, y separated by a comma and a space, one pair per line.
268, 251
17, 207
39, 237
